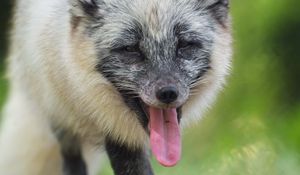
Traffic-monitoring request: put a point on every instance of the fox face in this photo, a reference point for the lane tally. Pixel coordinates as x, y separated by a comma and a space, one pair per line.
156, 51
158, 55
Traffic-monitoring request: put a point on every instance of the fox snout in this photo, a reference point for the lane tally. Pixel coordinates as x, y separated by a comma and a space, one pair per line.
165, 93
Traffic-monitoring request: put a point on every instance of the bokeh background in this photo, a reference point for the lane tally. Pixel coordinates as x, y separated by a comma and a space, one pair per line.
254, 128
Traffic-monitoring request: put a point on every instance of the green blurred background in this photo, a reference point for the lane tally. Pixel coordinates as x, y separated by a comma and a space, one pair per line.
254, 128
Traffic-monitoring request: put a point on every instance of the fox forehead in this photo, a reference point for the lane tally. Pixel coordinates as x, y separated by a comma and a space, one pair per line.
154, 19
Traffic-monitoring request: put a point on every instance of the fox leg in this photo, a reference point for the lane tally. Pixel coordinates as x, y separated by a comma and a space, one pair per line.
27, 144
126, 161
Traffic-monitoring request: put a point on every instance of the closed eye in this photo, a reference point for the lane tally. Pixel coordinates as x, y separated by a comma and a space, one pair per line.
187, 49
188, 44
130, 48
130, 54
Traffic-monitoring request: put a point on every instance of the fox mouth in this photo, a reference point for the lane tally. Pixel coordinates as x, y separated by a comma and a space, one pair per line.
162, 124
145, 110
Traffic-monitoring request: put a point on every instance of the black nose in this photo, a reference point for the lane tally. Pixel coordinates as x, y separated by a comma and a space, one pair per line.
167, 94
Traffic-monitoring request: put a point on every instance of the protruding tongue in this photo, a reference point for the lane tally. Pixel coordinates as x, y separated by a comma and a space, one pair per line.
165, 136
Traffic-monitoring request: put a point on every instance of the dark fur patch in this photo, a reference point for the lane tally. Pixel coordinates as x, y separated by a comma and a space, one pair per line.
89, 8
220, 11
127, 161
74, 164
134, 104
202, 71
75, 21
129, 97
71, 152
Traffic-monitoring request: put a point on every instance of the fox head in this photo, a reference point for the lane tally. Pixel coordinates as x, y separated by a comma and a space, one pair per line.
166, 59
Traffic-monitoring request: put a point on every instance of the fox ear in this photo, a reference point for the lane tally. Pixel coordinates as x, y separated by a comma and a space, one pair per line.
214, 2
219, 9
84, 8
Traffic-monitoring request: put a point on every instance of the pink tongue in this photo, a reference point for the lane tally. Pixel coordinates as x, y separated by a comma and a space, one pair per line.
165, 136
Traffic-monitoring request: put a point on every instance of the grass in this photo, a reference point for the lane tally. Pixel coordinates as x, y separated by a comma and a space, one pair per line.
3, 89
